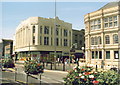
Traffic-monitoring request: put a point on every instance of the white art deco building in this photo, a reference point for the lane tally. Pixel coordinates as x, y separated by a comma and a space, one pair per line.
37, 36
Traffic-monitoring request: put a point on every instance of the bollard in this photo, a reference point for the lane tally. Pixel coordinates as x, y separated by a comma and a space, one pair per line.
15, 73
27, 78
96, 67
43, 65
40, 78
46, 64
51, 65
77, 63
58, 63
63, 66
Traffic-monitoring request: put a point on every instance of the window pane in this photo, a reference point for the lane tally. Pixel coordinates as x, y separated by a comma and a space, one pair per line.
96, 41
115, 38
33, 40
40, 40
105, 19
107, 39
100, 54
92, 54
57, 41
99, 40
99, 26
33, 29
110, 24
110, 18
107, 54
115, 18
46, 30
40, 29
115, 23
99, 21
106, 25
116, 55
96, 54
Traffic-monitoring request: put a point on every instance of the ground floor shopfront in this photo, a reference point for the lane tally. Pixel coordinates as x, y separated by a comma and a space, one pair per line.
103, 58
46, 56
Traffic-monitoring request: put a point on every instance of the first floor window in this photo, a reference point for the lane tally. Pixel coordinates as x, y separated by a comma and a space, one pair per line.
92, 54
115, 38
110, 24
115, 23
65, 42
40, 29
40, 40
65, 32
57, 41
33, 40
96, 53
107, 54
106, 25
51, 41
100, 54
46, 40
116, 54
99, 40
46, 30
107, 39
92, 41
33, 29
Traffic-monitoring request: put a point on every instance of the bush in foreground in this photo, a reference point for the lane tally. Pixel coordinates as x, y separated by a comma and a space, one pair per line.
88, 76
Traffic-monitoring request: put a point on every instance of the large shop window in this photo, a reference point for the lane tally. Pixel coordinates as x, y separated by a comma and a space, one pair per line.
116, 54
107, 54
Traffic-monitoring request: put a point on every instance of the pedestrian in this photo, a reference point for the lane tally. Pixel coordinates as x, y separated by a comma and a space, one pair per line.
65, 60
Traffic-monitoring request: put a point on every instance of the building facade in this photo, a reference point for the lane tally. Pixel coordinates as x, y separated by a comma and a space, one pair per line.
102, 36
78, 39
40, 37
6, 48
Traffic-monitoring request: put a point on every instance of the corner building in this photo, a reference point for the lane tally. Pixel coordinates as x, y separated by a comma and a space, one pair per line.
102, 36
38, 37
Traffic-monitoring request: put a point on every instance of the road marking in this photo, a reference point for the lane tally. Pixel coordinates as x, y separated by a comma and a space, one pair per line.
54, 71
17, 81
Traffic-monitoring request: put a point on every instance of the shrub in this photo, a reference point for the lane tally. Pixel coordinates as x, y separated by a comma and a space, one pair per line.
8, 63
32, 67
88, 76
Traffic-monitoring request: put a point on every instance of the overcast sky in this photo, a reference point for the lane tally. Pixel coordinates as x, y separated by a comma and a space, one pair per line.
15, 12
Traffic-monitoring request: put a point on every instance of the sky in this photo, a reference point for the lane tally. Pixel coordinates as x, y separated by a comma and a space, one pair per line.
15, 12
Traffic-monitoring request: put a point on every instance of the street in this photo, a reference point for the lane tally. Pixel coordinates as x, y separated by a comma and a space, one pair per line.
49, 77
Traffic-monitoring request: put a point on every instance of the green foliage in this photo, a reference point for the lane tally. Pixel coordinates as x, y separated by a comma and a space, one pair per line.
87, 76
109, 77
8, 63
32, 67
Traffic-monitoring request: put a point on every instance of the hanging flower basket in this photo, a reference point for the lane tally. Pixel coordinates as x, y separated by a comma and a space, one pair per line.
33, 67
8, 63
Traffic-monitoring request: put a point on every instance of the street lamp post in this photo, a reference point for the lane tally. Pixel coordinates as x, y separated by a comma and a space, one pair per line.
29, 44
84, 54
55, 38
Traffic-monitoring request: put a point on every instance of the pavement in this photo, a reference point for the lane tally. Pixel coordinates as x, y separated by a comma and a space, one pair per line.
49, 76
